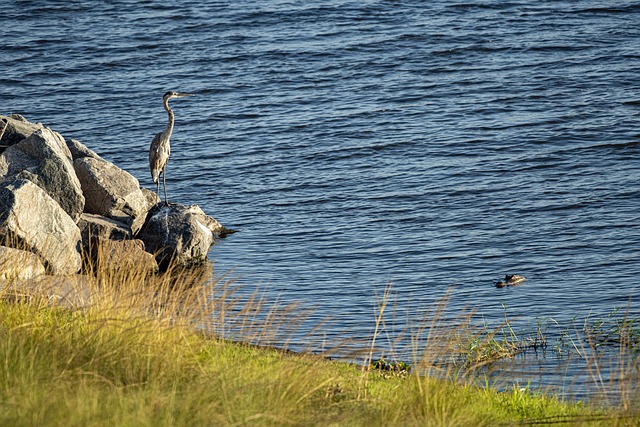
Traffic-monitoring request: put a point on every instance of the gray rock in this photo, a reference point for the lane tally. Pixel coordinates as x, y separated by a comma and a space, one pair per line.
179, 234
96, 226
16, 128
14, 161
110, 191
151, 196
19, 265
44, 159
79, 150
31, 220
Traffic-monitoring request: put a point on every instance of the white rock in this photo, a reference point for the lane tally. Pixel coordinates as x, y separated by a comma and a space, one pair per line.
31, 220
45, 159
110, 191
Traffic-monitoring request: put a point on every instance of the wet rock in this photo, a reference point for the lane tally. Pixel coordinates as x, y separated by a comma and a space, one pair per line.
110, 191
178, 233
16, 128
44, 159
19, 265
31, 220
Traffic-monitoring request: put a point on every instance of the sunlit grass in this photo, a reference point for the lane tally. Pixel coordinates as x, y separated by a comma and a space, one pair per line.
134, 354
62, 368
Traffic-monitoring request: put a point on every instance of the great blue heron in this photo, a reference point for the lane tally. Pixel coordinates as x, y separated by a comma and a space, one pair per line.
160, 150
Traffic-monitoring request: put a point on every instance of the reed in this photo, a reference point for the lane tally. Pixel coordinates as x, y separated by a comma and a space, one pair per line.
132, 350
610, 347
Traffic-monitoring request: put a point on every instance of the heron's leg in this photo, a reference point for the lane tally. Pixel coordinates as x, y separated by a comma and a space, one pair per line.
164, 184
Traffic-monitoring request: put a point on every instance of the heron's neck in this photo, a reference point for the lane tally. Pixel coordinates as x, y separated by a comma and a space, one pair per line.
169, 127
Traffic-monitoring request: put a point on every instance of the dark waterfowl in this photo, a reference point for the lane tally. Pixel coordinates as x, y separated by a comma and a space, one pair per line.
510, 280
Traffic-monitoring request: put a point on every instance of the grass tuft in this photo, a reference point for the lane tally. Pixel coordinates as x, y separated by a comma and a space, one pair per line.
132, 351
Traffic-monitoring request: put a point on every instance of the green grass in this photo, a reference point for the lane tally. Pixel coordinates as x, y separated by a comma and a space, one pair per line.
62, 368
132, 358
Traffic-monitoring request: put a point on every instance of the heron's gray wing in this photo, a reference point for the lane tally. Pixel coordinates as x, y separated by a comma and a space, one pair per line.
156, 161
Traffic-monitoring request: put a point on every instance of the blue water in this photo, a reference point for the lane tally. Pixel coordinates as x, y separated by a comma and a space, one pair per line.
432, 145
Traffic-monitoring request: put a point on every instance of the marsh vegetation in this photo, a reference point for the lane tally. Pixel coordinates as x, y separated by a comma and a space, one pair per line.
149, 349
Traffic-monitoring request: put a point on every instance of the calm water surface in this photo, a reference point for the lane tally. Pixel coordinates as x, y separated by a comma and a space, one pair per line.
432, 145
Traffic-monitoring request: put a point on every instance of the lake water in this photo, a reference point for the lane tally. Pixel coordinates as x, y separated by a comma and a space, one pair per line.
431, 145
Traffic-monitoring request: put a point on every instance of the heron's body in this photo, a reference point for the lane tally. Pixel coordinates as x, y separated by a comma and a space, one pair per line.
160, 148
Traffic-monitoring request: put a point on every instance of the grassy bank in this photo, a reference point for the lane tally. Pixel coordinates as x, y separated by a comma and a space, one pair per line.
130, 356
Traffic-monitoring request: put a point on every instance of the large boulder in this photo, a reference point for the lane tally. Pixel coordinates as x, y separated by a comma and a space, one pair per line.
79, 150
179, 234
96, 226
19, 265
15, 128
44, 159
110, 191
31, 220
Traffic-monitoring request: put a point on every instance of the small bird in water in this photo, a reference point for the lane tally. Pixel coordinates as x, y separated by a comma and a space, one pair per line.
159, 151
510, 280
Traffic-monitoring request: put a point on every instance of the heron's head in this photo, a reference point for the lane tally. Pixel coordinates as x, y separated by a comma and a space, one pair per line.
174, 94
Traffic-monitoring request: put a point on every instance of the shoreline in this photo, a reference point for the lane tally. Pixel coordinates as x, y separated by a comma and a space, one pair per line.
137, 342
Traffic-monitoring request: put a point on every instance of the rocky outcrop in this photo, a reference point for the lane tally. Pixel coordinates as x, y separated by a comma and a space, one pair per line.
44, 159
19, 265
179, 234
15, 128
95, 226
111, 191
31, 220
60, 201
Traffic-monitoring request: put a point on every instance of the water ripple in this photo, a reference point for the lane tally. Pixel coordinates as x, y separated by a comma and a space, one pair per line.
359, 143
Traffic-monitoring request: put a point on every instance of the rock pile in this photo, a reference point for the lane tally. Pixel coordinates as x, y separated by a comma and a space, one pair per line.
59, 199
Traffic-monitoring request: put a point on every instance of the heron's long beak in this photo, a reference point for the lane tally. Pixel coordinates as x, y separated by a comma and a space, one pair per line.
182, 95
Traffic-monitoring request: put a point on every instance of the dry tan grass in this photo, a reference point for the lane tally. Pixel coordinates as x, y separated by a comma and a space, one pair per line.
132, 351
